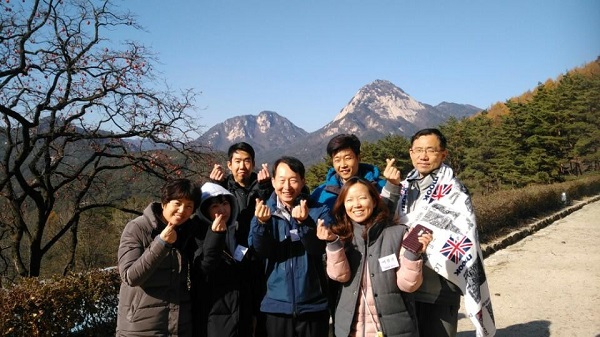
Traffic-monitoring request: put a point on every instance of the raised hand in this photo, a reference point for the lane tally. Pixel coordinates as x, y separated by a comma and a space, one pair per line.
391, 173
263, 174
300, 212
217, 173
262, 212
323, 232
425, 239
218, 225
169, 235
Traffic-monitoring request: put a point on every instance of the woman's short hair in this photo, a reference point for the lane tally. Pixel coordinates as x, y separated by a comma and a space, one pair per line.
180, 189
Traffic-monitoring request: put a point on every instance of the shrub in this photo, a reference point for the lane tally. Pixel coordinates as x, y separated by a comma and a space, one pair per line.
503, 211
79, 304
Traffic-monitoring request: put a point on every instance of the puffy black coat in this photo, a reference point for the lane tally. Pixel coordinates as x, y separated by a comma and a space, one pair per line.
221, 286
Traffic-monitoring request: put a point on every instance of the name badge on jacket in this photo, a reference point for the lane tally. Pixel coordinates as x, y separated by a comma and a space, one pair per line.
388, 262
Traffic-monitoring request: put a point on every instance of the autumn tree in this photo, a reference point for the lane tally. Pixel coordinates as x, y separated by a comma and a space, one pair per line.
78, 113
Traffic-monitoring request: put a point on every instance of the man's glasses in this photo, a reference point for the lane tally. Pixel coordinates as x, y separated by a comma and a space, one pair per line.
420, 151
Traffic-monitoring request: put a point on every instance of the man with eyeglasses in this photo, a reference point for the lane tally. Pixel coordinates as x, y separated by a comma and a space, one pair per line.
431, 196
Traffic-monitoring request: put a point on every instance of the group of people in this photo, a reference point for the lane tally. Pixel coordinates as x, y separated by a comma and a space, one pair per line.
256, 254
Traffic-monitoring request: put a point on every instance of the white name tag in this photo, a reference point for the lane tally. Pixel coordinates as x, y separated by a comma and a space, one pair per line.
240, 252
388, 262
294, 235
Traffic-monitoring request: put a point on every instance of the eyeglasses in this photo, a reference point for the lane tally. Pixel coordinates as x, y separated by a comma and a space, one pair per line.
430, 151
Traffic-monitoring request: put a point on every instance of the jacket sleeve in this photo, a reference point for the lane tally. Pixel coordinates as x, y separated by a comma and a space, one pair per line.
209, 258
265, 190
222, 183
136, 262
260, 238
409, 276
316, 194
391, 195
381, 184
338, 268
308, 231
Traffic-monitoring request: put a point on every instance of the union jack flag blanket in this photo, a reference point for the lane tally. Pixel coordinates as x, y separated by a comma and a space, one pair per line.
454, 253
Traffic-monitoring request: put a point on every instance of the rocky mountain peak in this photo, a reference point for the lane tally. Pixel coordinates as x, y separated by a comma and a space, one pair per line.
263, 131
385, 100
378, 109
382, 86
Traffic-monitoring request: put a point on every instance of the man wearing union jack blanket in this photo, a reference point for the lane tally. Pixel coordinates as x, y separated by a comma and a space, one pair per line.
431, 196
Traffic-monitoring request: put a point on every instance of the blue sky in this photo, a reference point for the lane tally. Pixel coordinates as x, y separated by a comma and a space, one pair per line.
306, 59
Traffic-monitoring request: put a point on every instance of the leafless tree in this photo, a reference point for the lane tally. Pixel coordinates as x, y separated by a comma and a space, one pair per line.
72, 101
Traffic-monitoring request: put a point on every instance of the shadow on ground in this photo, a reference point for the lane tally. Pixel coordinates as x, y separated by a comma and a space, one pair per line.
534, 328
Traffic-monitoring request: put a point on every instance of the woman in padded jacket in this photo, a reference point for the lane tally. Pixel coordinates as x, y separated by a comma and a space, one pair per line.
364, 254
154, 299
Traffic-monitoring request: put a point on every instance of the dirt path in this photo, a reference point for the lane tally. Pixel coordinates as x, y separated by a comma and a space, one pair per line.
547, 284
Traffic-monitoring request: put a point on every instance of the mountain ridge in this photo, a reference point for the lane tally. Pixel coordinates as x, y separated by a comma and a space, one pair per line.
377, 109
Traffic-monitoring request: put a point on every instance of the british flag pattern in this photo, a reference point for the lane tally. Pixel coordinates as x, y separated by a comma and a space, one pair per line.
455, 249
440, 191
455, 253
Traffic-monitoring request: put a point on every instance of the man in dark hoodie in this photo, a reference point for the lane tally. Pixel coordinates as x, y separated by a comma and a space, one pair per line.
247, 186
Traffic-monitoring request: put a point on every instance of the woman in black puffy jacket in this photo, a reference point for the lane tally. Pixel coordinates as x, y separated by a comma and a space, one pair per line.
221, 294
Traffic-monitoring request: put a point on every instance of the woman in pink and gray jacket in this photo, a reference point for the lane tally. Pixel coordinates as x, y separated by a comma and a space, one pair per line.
364, 254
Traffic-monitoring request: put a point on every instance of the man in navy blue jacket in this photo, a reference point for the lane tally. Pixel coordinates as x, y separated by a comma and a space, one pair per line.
283, 231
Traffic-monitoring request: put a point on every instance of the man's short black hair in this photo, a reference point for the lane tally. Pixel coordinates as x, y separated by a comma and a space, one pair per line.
427, 132
294, 163
241, 146
343, 141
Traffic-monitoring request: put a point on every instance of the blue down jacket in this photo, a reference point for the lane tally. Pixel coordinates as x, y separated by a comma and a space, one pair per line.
327, 192
296, 280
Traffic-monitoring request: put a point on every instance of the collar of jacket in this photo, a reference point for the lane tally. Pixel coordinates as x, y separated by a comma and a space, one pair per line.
233, 185
366, 171
414, 175
304, 195
333, 181
373, 232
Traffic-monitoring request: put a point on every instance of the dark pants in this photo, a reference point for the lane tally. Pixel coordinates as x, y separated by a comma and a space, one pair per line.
260, 328
313, 324
437, 320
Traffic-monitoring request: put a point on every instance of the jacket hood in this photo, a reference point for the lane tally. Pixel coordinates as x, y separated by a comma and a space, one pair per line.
211, 190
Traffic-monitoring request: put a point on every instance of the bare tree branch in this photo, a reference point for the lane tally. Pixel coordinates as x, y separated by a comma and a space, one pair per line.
78, 114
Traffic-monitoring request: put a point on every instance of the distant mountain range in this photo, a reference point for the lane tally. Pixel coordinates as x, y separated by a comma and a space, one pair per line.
378, 109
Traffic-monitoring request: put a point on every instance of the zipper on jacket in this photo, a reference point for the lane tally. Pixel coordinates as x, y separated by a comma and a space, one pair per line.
380, 328
294, 313
365, 264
